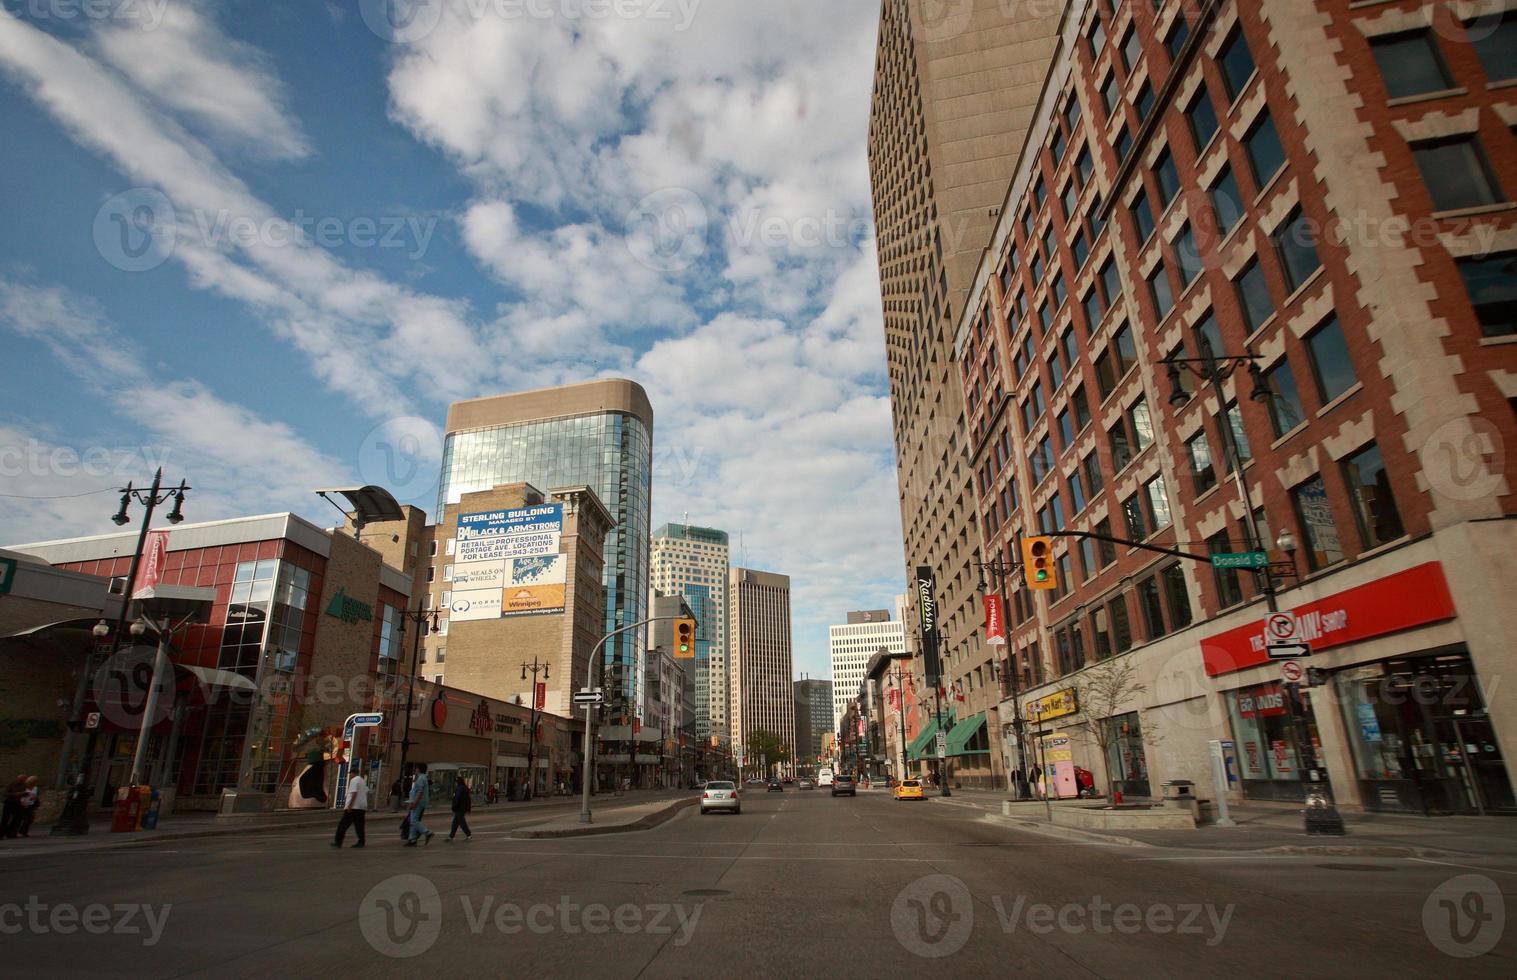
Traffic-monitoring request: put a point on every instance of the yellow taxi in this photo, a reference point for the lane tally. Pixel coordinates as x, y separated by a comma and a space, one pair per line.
909, 789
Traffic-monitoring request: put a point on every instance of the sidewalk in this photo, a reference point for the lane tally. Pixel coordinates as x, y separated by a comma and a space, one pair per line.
639, 816
195, 824
1279, 828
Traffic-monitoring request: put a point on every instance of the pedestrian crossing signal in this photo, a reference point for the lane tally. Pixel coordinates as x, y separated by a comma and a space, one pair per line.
684, 637
1037, 563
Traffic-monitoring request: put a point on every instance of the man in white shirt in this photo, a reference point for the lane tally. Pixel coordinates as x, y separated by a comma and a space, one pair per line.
354, 810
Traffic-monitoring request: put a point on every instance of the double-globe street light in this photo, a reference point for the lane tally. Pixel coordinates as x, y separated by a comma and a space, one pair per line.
534, 667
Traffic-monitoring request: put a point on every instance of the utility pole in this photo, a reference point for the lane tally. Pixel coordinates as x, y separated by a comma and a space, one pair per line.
420, 617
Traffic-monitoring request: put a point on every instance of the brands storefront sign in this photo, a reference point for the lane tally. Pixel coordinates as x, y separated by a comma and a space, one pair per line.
1414, 597
1055, 705
1261, 702
349, 609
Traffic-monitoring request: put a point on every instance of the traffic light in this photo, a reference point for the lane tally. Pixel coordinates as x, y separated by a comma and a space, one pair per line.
1316, 676
1037, 563
684, 637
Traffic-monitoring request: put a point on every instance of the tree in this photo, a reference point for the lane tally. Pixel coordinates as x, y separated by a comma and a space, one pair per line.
1108, 689
765, 747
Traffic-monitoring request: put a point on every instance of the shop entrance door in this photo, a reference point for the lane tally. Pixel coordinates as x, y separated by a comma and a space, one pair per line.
1469, 749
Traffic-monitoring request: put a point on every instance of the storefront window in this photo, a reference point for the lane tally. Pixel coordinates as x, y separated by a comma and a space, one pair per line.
1267, 739
1421, 737
1124, 754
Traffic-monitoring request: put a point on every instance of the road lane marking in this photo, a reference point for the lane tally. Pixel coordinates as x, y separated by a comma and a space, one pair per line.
1472, 867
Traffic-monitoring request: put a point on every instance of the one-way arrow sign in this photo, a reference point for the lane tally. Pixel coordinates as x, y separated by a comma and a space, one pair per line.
1288, 651
589, 697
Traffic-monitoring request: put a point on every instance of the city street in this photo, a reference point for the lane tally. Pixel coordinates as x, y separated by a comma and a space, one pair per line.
799, 884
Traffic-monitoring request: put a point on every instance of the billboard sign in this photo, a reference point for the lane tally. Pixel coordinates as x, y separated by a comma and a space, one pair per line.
498, 534
508, 563
927, 609
535, 586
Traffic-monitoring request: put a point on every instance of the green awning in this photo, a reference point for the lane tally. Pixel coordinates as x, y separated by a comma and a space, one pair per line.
920, 745
964, 732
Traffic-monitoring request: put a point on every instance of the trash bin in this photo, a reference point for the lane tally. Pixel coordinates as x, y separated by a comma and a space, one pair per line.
1180, 790
128, 810
149, 819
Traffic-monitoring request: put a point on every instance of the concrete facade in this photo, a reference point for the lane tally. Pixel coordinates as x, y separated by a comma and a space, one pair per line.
762, 669
693, 562
954, 90
851, 645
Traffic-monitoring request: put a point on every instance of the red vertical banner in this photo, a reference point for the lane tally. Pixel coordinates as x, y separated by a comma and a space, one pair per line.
637, 725
155, 553
542, 694
995, 620
895, 700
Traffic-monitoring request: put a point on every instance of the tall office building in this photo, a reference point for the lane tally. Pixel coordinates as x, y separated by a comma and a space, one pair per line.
954, 90
693, 562
813, 715
597, 434
852, 644
762, 696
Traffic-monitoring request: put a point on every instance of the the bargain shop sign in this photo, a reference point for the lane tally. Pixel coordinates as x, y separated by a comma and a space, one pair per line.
1414, 597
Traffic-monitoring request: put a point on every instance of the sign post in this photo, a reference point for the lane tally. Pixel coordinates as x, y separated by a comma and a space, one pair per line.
1219, 782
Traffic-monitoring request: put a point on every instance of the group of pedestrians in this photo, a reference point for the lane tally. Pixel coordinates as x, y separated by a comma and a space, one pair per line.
21, 802
418, 798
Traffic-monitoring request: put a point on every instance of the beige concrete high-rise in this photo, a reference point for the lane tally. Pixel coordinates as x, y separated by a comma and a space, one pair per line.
955, 87
762, 694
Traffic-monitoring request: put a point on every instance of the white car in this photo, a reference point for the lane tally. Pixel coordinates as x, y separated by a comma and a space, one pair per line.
721, 794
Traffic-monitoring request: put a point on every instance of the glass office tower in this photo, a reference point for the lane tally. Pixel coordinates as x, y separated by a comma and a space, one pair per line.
597, 434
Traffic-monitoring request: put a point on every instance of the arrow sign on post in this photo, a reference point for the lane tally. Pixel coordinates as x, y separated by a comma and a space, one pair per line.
1288, 651
589, 697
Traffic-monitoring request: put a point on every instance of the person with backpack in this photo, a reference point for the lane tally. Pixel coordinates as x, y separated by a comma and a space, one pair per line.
463, 802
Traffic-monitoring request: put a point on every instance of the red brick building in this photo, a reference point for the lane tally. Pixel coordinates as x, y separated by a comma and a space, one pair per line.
1322, 194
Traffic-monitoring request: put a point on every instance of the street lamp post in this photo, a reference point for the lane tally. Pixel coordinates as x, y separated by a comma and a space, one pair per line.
420, 617
900, 689
75, 816
999, 569
534, 667
1213, 370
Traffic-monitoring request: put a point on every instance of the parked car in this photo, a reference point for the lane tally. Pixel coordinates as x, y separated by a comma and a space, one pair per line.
910, 789
721, 794
806, 784
843, 785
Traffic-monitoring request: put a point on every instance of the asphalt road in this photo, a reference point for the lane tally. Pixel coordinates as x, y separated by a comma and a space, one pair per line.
799, 884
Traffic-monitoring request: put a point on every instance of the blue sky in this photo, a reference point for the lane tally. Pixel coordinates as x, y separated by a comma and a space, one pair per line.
260, 242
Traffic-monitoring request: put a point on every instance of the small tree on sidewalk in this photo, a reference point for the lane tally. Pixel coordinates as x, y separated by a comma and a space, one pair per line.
1108, 689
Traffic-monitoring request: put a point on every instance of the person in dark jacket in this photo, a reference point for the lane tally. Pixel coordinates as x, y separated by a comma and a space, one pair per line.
463, 802
10, 822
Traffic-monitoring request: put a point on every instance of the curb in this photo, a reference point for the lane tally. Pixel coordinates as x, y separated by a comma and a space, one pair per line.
645, 822
1065, 833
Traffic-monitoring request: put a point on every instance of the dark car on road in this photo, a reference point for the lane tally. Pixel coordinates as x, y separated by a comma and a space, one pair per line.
844, 786
775, 786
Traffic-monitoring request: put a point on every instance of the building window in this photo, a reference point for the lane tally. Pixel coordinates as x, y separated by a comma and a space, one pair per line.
1253, 296
1496, 45
1123, 143
1296, 245
1132, 49
1097, 36
432, 551
1084, 165
1076, 493
1142, 424
1177, 36
1106, 549
431, 573
1229, 588
1456, 174
1410, 64
1159, 290
1167, 178
1492, 287
1071, 114
1187, 256
1092, 465
1226, 202
1176, 597
1236, 63
1132, 517
1152, 607
1145, 101
1121, 628
1092, 305
1201, 466
1265, 154
1066, 429
1157, 496
1111, 284
1285, 410
1315, 515
1111, 93
1332, 368
1369, 487
1142, 217
1082, 408
1088, 566
1202, 117
1234, 423
1040, 192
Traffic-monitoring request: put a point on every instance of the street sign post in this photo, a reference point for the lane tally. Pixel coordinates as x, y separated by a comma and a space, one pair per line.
942, 745
1288, 651
1241, 559
588, 697
1291, 671
1280, 627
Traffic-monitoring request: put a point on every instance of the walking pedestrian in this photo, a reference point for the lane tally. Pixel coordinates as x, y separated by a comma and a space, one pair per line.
10, 818
354, 810
463, 802
421, 796
30, 801
397, 794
